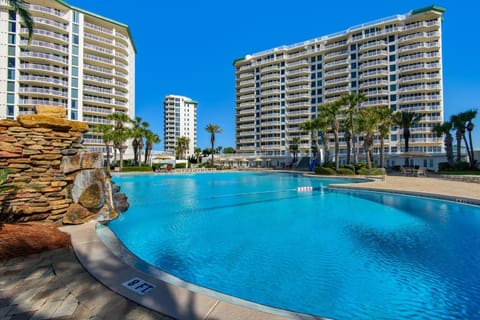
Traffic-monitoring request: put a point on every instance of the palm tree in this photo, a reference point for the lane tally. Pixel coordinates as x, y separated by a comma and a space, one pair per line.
182, 147
351, 101
444, 129
330, 112
121, 133
150, 139
21, 7
106, 130
367, 122
138, 133
293, 147
405, 120
469, 116
312, 127
386, 122
212, 129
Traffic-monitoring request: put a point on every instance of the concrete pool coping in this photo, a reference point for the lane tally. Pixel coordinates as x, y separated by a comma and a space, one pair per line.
179, 302
174, 300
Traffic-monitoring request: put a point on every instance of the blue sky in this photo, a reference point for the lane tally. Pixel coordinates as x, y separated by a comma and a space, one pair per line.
187, 48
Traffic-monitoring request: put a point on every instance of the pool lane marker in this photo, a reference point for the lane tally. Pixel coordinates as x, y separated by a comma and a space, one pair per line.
303, 189
138, 285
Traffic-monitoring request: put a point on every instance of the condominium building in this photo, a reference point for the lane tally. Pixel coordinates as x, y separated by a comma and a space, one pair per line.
180, 120
395, 62
76, 59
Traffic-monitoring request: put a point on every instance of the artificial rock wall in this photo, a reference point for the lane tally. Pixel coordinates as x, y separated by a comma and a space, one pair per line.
51, 176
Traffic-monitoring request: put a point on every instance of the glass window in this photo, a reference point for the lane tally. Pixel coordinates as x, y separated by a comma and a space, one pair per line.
393, 137
393, 67
312, 84
75, 104
75, 71
391, 38
353, 65
11, 74
312, 59
313, 101
354, 84
75, 50
353, 56
319, 74
10, 110
353, 47
12, 27
319, 83
74, 115
392, 58
393, 77
353, 74
11, 50
75, 28
74, 93
313, 75
76, 39
312, 67
10, 98
282, 80
11, 62
11, 86
76, 17
11, 38
393, 87
391, 48
75, 82
393, 97
319, 91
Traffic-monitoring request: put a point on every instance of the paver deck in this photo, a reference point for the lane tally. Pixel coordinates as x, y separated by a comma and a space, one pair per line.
56, 284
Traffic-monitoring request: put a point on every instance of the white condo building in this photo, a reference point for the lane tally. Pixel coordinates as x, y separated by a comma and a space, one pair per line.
394, 62
76, 59
180, 120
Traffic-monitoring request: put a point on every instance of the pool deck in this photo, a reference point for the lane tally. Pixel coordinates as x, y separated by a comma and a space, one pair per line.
86, 282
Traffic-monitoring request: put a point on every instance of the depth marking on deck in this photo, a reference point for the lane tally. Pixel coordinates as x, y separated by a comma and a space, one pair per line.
138, 285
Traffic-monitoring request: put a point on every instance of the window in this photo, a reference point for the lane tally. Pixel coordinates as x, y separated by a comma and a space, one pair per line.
11, 86
11, 50
312, 84
393, 77
391, 58
11, 74
76, 17
76, 39
10, 110
75, 50
75, 71
393, 87
391, 38
353, 74
312, 67
75, 82
353, 56
75, 28
74, 115
393, 137
12, 15
312, 59
74, 93
393, 97
12, 27
11, 62
353, 65
312, 76
354, 84
319, 74
353, 46
75, 104
10, 98
393, 67
391, 48
11, 38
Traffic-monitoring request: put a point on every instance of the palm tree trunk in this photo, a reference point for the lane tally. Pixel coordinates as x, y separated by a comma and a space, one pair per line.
337, 151
108, 156
469, 154
382, 153
449, 148
472, 163
458, 136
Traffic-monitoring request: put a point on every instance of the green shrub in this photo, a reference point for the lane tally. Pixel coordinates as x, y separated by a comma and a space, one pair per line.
345, 171
370, 172
460, 166
180, 166
444, 166
324, 171
137, 169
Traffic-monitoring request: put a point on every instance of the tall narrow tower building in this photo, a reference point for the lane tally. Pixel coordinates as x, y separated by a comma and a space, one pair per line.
180, 120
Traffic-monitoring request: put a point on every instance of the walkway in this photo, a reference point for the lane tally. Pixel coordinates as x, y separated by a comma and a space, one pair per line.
54, 285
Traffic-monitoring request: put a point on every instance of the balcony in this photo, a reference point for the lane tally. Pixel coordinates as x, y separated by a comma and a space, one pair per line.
97, 28
43, 92
51, 24
45, 34
43, 68
43, 80
43, 56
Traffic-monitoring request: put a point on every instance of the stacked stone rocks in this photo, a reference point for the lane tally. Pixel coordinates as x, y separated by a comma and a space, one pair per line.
50, 175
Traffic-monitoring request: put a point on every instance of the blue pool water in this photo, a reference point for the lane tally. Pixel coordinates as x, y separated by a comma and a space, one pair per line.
337, 254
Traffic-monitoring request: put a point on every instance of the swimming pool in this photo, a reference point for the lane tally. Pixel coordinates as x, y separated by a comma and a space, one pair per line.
337, 254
